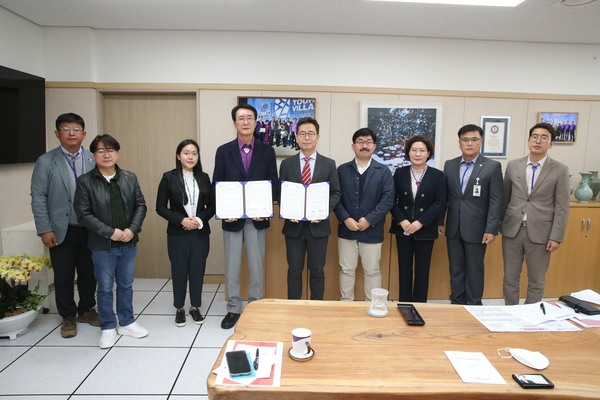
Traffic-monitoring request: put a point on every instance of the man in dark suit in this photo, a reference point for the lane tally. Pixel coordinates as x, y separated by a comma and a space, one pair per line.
367, 197
474, 190
308, 237
244, 159
535, 209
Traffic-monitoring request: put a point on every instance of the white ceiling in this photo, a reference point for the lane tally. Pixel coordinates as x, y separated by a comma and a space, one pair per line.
531, 21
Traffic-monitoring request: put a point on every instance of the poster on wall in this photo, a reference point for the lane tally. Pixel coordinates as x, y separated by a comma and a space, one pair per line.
276, 122
495, 136
394, 122
565, 125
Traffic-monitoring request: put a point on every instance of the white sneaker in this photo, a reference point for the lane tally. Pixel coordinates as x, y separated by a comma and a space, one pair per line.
108, 338
134, 330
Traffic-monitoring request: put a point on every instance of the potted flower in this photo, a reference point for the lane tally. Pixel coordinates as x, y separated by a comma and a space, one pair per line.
18, 304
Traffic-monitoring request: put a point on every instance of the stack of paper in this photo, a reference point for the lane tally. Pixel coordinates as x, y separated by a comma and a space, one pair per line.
268, 373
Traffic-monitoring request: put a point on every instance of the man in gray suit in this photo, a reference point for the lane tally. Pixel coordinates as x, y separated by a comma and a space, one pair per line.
308, 237
535, 209
474, 189
53, 186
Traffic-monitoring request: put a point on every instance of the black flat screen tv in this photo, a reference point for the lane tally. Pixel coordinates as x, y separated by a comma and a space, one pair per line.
22, 116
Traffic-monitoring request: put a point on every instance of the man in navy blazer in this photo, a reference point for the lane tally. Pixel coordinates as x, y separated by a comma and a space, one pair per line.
367, 197
308, 237
244, 159
474, 190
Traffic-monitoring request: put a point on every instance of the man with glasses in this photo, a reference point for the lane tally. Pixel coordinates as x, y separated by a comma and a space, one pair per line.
474, 190
367, 196
535, 209
310, 238
244, 159
53, 185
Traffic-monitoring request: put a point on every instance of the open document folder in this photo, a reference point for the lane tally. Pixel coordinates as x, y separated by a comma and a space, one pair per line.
304, 202
268, 373
247, 199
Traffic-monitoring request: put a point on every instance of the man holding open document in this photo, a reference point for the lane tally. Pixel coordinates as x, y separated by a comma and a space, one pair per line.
243, 160
312, 178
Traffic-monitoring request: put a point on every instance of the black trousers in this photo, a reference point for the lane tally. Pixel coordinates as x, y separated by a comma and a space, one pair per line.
188, 254
414, 287
296, 250
70, 256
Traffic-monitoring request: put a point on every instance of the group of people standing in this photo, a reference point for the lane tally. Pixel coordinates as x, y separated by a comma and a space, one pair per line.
89, 213
277, 132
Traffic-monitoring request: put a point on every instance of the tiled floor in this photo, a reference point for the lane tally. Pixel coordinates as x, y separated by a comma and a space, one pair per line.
171, 363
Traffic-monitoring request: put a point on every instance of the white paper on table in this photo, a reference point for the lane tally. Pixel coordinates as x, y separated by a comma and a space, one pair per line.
587, 295
259, 199
317, 201
533, 313
229, 200
293, 199
496, 319
268, 373
474, 367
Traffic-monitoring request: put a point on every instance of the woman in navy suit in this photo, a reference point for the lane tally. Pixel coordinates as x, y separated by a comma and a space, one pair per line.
420, 201
186, 200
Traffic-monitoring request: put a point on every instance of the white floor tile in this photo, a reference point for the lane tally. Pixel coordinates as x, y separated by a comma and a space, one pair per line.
198, 365
87, 335
211, 334
211, 287
42, 370
113, 397
40, 327
188, 397
10, 354
219, 305
136, 371
162, 333
149, 284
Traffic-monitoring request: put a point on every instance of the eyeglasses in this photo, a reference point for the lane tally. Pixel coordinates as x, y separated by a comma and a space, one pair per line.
102, 151
362, 143
245, 119
67, 129
418, 151
542, 138
467, 140
309, 134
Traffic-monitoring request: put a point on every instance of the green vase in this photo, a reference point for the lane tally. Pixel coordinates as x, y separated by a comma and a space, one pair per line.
584, 192
594, 184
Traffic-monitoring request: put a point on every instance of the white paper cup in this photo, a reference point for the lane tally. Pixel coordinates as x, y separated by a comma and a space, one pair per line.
301, 341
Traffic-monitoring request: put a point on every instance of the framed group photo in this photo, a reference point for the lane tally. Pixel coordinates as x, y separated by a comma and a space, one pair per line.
495, 136
565, 125
276, 122
396, 121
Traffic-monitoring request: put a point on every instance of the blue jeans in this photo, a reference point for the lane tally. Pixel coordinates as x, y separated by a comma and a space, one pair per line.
117, 263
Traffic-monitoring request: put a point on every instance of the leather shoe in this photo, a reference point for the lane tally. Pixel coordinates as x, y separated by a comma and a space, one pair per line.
229, 320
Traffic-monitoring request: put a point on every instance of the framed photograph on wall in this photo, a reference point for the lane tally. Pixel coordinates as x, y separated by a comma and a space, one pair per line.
565, 125
396, 121
277, 119
495, 136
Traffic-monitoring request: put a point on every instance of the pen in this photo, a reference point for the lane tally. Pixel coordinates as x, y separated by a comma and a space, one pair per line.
543, 308
256, 360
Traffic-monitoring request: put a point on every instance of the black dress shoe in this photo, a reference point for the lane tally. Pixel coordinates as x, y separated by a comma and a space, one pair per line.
229, 320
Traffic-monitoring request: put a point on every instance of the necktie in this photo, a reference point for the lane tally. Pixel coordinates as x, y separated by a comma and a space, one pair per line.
533, 168
462, 180
306, 171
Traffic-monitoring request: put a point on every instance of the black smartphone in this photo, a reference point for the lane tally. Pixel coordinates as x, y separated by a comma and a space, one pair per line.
238, 364
411, 315
533, 381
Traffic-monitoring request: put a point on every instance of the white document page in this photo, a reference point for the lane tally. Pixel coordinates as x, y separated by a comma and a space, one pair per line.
474, 367
317, 201
259, 199
587, 295
293, 196
229, 200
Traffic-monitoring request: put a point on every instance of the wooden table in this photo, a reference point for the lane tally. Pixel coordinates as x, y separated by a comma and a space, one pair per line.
361, 357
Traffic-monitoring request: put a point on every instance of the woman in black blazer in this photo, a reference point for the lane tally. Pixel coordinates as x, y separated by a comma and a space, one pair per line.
420, 200
186, 200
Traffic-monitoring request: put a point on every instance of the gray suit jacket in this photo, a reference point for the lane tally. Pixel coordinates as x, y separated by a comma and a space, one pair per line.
51, 197
547, 206
325, 170
473, 215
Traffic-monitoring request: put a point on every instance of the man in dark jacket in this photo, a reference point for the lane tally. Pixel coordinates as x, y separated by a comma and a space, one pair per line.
367, 197
110, 204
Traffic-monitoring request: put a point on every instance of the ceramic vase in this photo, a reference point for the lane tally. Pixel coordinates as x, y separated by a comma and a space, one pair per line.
583, 193
12, 327
594, 184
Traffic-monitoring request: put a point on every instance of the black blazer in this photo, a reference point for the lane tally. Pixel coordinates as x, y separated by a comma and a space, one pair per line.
171, 191
427, 207
229, 167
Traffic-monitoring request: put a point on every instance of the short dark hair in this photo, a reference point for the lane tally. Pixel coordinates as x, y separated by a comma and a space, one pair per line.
546, 126
364, 132
308, 120
69, 117
243, 107
470, 128
108, 141
419, 138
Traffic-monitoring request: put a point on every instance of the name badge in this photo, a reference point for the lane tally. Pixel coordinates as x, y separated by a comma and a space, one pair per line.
476, 190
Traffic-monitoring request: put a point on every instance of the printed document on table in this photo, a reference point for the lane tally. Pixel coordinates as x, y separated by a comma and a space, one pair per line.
534, 314
268, 373
251, 199
587, 295
496, 319
304, 202
586, 321
474, 367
